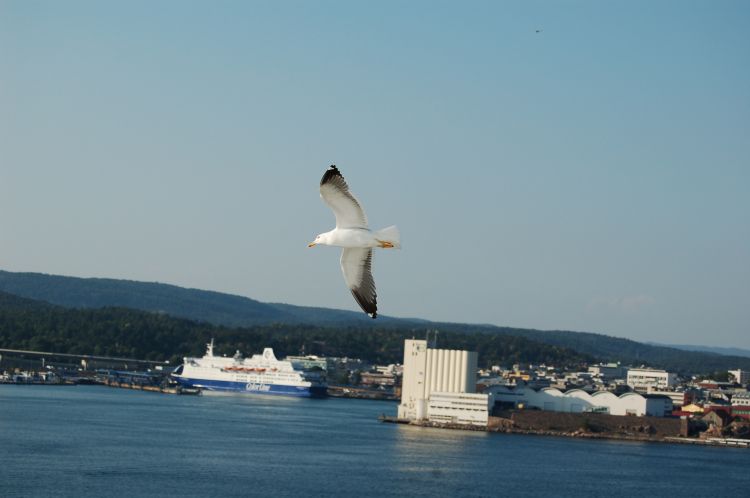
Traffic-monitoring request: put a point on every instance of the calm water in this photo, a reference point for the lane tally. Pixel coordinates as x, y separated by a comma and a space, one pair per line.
97, 441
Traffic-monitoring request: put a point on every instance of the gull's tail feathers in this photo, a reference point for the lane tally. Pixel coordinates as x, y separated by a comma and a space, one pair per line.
391, 235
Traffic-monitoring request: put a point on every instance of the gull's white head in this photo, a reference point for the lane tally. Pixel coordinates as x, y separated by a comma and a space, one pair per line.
320, 239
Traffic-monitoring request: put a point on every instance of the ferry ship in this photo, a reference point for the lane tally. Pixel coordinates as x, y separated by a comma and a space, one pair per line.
260, 374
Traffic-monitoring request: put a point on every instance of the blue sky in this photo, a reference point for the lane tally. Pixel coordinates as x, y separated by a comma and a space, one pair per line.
593, 176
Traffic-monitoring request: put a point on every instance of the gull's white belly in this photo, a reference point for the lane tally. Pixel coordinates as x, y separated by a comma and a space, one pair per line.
352, 237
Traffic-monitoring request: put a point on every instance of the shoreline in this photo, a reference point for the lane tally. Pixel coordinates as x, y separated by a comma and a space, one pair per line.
351, 392
578, 434
497, 425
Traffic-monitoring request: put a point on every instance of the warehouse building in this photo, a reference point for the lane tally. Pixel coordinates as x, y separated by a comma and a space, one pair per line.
579, 401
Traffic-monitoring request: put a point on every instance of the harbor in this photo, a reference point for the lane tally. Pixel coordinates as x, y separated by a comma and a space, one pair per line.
434, 388
263, 373
217, 445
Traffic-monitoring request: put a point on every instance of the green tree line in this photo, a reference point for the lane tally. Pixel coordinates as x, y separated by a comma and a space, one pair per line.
136, 334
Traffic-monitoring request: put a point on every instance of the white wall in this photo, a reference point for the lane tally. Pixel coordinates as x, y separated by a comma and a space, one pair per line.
459, 408
413, 399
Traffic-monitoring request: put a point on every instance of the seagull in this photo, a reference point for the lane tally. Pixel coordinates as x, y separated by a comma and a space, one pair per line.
357, 240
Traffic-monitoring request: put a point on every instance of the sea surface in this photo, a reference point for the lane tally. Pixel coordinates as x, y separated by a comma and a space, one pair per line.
106, 442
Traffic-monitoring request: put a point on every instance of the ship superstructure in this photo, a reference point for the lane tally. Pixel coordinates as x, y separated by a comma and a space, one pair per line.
259, 374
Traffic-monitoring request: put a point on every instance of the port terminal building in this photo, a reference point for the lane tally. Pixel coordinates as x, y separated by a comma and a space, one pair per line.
439, 385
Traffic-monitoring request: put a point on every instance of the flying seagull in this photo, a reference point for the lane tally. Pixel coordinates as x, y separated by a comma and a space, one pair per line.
355, 237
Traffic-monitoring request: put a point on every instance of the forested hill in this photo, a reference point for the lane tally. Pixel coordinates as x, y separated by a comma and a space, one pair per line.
26, 324
195, 304
18, 303
729, 351
236, 311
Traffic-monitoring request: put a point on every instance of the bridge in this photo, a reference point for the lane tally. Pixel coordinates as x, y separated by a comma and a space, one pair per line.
86, 357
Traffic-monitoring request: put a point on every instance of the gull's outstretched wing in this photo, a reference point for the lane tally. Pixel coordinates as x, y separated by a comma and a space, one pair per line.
356, 264
346, 207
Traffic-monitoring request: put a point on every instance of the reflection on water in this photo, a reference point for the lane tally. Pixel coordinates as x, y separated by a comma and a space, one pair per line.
412, 440
432, 452
258, 400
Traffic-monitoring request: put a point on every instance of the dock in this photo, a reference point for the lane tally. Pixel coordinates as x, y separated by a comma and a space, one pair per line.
154, 389
711, 441
360, 393
393, 420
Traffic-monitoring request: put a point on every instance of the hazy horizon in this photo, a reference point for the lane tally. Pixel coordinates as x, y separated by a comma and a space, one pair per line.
578, 166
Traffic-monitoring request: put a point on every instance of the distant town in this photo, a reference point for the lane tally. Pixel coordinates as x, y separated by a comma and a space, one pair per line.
445, 388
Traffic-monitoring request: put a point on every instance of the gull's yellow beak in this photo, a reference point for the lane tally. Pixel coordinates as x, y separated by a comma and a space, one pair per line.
311, 244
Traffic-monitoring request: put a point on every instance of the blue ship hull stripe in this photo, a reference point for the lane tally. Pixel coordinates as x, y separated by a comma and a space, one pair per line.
252, 387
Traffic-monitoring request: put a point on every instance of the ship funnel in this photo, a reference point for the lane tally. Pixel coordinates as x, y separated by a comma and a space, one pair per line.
268, 354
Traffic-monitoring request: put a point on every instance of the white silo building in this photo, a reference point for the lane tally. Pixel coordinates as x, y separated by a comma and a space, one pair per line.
439, 385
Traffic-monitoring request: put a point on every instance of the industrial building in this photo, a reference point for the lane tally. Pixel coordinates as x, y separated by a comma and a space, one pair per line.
458, 408
641, 379
741, 377
679, 398
578, 401
741, 405
439, 385
381, 377
608, 371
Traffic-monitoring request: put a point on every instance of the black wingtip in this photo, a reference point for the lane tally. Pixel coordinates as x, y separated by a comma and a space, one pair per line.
368, 306
331, 172
374, 315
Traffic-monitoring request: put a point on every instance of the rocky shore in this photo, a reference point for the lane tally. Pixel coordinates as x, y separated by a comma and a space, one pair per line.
588, 426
